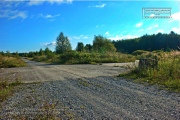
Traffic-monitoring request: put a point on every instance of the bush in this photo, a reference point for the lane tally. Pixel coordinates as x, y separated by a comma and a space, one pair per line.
139, 52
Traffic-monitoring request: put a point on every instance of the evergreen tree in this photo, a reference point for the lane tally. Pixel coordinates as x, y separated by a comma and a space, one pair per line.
41, 52
80, 47
62, 44
47, 51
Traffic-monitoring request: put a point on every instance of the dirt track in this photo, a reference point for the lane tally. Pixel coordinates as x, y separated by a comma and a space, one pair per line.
87, 92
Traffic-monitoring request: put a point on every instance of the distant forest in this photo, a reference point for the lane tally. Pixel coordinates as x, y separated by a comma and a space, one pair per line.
165, 42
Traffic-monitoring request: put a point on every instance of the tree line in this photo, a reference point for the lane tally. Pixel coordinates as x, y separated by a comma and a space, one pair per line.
165, 42
100, 45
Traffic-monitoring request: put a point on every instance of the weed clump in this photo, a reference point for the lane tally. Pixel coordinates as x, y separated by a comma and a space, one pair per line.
6, 89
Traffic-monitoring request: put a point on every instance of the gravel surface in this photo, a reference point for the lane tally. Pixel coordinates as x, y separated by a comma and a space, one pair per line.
86, 92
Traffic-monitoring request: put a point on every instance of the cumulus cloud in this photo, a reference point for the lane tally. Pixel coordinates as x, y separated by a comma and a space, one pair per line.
102, 5
50, 44
12, 14
175, 17
139, 24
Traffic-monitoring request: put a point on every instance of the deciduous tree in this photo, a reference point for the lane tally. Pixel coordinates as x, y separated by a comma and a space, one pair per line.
101, 44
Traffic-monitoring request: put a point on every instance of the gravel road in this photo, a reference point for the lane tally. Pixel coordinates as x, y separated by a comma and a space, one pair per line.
86, 92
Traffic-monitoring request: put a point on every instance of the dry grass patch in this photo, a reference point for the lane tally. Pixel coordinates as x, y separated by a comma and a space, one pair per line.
9, 62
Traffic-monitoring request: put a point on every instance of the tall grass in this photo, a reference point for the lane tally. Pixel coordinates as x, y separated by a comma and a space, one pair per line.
8, 62
167, 74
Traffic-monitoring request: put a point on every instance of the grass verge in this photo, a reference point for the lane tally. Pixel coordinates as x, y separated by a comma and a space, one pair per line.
167, 75
7, 89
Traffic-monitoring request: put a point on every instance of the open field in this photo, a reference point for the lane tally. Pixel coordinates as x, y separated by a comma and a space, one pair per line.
85, 92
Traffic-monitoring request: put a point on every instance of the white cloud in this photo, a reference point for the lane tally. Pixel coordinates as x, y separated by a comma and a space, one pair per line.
175, 17
10, 14
120, 37
102, 5
79, 37
49, 16
7, 4
55, 1
107, 33
176, 30
139, 24
38, 2
50, 44
35, 2
160, 31
100, 25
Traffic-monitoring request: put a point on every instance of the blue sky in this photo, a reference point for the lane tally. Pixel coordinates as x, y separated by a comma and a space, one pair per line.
30, 25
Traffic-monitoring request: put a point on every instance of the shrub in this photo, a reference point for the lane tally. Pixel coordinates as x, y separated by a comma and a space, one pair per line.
139, 52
